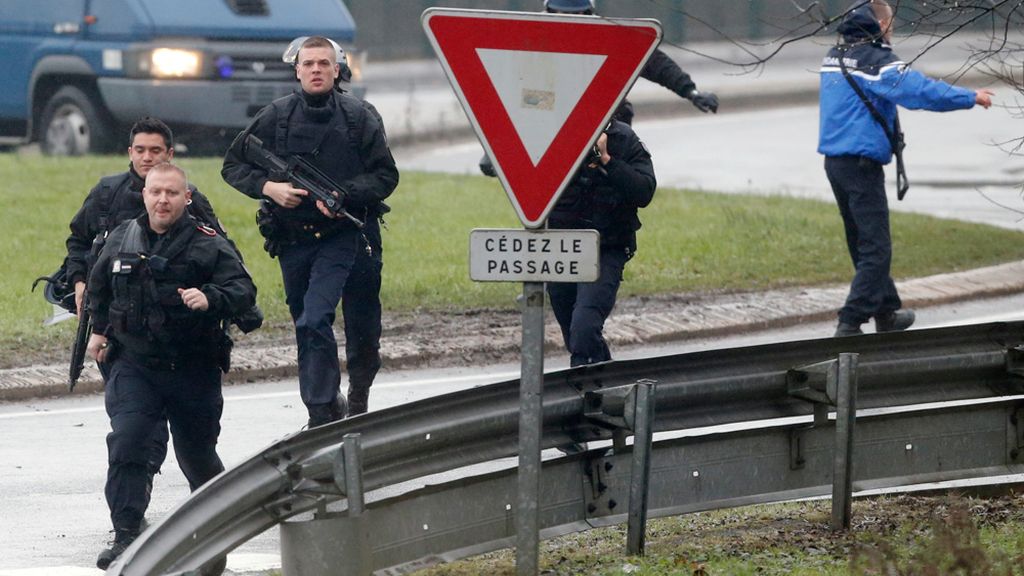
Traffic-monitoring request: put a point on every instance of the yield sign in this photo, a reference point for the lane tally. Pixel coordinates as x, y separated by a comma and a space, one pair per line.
538, 89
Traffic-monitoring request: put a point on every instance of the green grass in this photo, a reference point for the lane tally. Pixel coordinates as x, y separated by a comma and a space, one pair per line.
690, 241
892, 535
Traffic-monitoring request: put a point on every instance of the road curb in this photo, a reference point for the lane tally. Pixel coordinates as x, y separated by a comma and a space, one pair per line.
700, 317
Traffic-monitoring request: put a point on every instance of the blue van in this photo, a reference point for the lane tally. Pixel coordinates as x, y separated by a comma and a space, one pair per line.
77, 72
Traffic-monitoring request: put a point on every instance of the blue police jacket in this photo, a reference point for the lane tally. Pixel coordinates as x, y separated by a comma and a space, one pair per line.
846, 126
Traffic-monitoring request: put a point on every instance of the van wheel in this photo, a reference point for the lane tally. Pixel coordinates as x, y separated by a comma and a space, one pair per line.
72, 125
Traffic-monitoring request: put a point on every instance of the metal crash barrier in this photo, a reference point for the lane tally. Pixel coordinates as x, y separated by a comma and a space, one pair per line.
746, 425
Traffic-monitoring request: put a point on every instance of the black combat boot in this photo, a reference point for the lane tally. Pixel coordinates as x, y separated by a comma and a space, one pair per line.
358, 399
122, 540
895, 321
845, 329
320, 414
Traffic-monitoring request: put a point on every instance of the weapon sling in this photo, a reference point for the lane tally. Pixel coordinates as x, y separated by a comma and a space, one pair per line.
894, 134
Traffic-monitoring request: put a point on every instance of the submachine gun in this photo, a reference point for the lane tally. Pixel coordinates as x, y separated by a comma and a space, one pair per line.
79, 345
301, 174
84, 317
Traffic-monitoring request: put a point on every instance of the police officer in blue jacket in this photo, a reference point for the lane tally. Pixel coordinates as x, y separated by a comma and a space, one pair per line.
605, 195
318, 252
862, 82
159, 293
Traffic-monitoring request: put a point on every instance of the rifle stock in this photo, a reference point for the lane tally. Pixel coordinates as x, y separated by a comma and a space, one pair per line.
301, 174
78, 348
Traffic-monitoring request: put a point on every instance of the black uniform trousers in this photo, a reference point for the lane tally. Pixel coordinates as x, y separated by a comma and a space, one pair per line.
137, 398
361, 308
581, 308
315, 273
858, 184
161, 434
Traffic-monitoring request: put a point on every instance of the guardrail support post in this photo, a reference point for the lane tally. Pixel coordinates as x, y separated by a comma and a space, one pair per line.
845, 374
639, 487
352, 452
348, 477
333, 543
832, 383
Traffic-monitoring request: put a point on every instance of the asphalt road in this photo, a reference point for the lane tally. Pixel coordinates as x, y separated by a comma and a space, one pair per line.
953, 160
53, 517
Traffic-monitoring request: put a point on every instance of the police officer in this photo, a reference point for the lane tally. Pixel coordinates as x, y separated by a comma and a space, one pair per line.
605, 194
159, 292
360, 299
319, 253
659, 69
862, 82
116, 199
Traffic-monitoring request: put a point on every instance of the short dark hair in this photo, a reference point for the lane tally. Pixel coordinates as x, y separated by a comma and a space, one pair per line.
150, 125
317, 42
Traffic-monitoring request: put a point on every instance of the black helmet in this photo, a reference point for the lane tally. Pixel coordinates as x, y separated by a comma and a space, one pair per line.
58, 290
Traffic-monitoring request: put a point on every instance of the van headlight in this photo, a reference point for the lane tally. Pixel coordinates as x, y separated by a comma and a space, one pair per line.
176, 63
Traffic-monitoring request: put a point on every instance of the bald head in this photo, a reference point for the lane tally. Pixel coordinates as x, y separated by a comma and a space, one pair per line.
166, 196
883, 13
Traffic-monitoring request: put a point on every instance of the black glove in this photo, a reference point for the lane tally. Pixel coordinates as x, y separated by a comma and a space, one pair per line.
704, 101
487, 167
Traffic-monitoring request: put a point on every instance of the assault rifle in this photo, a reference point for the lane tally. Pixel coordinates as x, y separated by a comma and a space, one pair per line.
301, 174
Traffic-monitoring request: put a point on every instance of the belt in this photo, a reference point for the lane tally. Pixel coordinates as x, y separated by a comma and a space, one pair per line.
162, 363
304, 232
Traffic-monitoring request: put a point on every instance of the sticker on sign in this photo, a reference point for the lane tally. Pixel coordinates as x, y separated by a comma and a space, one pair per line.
512, 255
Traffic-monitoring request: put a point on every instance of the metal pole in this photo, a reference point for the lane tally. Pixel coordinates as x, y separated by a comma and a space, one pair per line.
842, 464
639, 486
352, 450
530, 425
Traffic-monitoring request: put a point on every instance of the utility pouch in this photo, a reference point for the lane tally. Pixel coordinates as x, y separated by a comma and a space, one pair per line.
271, 228
113, 350
268, 222
249, 320
118, 317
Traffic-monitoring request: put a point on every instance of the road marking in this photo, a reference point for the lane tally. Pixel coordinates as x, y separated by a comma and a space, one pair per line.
228, 397
238, 563
53, 571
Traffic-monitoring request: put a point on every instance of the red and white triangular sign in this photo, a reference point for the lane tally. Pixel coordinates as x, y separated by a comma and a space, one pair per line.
538, 89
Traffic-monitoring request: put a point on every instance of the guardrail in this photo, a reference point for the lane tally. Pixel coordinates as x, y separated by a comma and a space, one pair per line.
899, 385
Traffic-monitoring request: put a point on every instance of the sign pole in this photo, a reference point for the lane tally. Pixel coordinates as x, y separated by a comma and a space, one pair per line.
524, 83
531, 423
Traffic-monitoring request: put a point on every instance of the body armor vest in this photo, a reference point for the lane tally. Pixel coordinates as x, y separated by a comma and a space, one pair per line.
146, 312
322, 136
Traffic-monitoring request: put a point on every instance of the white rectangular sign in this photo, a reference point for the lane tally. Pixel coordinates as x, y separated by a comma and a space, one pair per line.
513, 255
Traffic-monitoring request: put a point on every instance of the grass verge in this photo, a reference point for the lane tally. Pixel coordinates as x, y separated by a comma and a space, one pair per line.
690, 242
890, 535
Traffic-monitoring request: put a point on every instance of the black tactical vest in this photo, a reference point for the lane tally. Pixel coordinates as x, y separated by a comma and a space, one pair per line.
324, 137
147, 314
